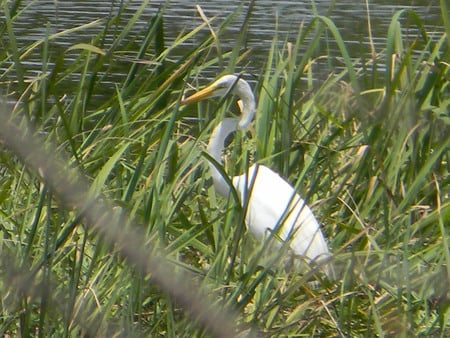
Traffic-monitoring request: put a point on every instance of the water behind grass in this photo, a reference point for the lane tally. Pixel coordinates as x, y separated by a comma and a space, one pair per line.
369, 153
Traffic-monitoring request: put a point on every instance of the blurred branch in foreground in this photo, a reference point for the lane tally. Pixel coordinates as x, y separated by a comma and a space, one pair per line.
72, 190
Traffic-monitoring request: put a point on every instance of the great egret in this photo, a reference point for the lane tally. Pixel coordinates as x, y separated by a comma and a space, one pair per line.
271, 203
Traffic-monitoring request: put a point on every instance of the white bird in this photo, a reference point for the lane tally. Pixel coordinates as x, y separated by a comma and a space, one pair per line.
272, 204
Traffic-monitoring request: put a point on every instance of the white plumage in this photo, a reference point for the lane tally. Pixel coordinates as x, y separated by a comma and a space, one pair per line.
272, 203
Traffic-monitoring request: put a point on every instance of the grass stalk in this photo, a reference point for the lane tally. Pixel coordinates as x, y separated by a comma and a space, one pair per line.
368, 152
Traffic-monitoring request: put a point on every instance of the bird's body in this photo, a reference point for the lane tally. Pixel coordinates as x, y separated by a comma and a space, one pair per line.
272, 204
281, 210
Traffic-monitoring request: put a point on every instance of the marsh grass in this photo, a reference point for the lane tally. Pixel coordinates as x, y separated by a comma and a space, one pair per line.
371, 157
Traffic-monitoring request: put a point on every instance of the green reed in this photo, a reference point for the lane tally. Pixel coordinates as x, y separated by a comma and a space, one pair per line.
370, 157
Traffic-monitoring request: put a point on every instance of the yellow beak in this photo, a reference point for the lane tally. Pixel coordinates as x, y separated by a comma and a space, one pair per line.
200, 95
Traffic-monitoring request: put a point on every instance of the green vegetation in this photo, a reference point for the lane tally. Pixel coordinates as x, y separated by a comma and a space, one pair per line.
369, 152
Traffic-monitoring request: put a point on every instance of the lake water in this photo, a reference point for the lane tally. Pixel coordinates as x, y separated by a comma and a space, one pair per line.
36, 18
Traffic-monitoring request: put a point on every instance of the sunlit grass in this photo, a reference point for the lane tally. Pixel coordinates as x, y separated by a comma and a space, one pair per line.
371, 160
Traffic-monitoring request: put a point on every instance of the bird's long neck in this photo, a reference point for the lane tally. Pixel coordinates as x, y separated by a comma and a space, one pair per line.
215, 148
247, 103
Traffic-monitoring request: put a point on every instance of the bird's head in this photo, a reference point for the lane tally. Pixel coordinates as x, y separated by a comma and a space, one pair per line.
220, 87
229, 84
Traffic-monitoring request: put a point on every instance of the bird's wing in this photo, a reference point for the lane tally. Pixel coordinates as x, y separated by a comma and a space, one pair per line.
306, 236
272, 203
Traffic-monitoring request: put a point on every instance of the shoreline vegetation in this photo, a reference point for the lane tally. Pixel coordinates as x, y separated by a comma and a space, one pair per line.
111, 227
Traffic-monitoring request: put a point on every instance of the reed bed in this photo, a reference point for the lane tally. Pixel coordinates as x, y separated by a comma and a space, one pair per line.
110, 224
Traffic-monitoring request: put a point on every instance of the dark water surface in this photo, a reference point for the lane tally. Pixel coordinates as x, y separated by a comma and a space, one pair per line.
37, 18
